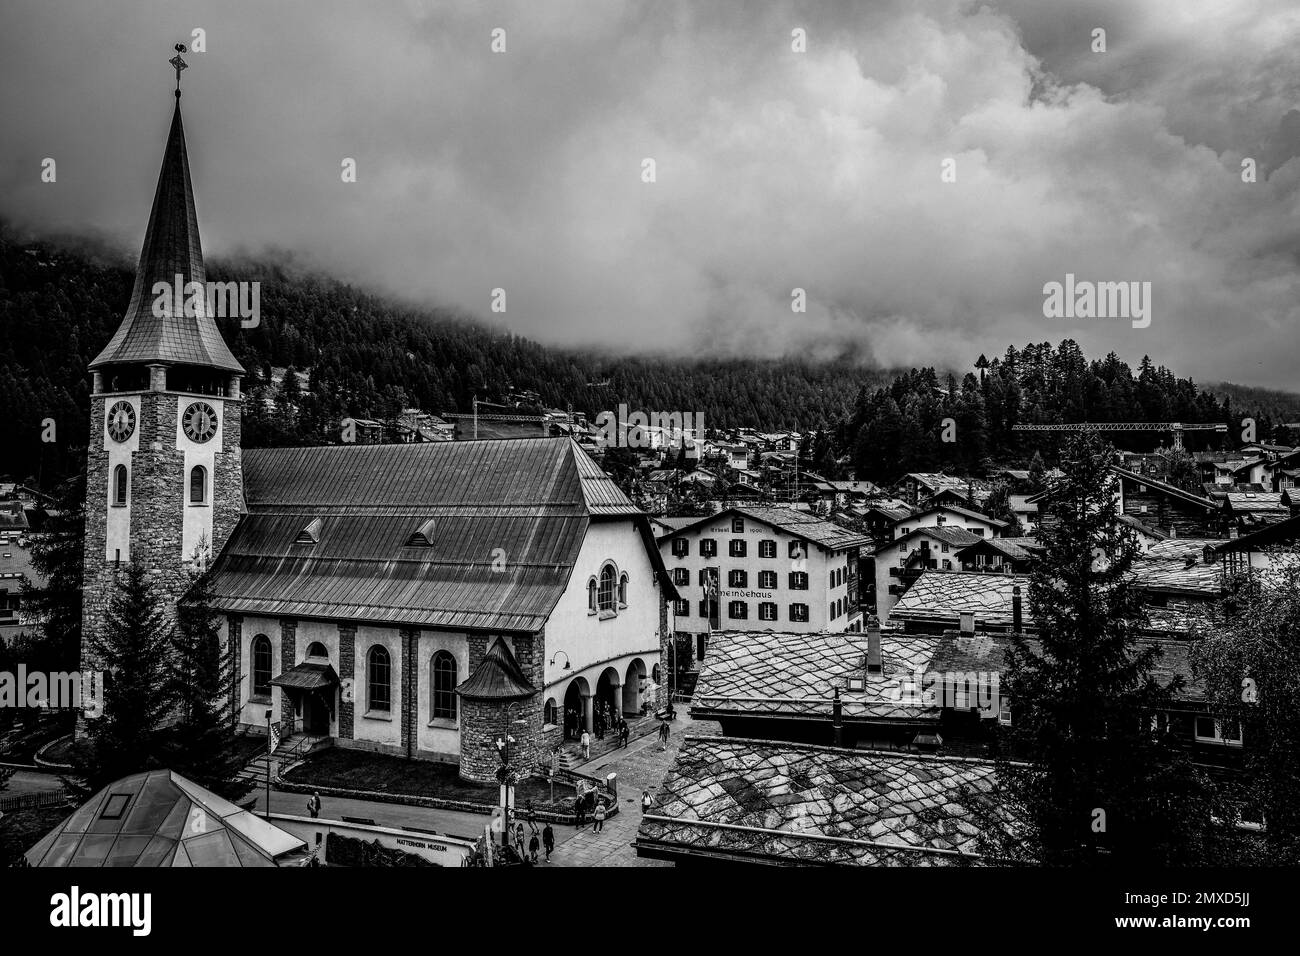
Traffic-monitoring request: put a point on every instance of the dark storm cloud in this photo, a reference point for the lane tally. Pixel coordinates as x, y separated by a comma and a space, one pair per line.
776, 170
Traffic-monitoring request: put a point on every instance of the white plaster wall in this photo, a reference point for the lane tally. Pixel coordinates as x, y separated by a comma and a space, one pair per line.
197, 524
588, 639
118, 536
381, 727
254, 711
439, 737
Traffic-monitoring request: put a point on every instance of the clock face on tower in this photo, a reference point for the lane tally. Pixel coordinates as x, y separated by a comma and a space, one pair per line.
121, 421
200, 422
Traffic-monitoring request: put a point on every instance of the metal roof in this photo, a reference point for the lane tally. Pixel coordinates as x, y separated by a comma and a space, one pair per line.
171, 248
509, 519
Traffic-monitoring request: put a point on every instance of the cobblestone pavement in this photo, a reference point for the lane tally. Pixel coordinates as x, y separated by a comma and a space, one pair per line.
640, 767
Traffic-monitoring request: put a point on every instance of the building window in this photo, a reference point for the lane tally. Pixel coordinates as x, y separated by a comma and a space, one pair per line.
681, 576
198, 485
798, 580
682, 607
737, 525
737, 578
902, 548
945, 547
947, 565
550, 713
119, 485
738, 610
737, 548
767, 611
1223, 733
704, 577
444, 687
379, 677
681, 547
767, 579
708, 547
799, 613
605, 594
797, 550
591, 596
905, 529
317, 649
831, 612
767, 548
622, 590
261, 654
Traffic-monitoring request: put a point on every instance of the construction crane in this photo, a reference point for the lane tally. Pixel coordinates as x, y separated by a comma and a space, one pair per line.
1176, 427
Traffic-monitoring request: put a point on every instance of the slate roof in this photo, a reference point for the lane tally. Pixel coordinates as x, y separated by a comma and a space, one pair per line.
947, 594
12, 516
171, 248
497, 677
161, 819
965, 512
792, 674
801, 524
1180, 574
949, 534
1281, 532
526, 501
798, 804
1017, 549
307, 676
1266, 501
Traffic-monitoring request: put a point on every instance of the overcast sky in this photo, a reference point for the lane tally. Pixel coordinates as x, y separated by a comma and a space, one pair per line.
775, 169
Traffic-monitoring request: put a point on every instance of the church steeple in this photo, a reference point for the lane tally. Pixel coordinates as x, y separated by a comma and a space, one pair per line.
171, 248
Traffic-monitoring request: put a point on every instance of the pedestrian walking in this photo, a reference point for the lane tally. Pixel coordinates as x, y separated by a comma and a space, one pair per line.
663, 735
623, 733
580, 811
586, 745
532, 847
519, 839
531, 816
548, 841
313, 804
645, 801
600, 817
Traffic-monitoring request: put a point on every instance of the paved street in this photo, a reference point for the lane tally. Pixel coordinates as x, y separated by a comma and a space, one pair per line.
641, 766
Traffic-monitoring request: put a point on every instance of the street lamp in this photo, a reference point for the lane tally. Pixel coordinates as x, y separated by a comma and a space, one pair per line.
566, 659
503, 750
270, 741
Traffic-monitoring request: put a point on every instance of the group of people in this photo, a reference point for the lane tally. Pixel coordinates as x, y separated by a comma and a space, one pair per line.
538, 840
621, 729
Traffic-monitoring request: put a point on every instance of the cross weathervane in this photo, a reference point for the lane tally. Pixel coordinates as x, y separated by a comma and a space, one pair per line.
179, 64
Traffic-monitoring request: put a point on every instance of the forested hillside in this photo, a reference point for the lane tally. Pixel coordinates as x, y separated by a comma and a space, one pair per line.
368, 357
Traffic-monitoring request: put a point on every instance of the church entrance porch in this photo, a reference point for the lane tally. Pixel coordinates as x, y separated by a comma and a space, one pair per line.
311, 688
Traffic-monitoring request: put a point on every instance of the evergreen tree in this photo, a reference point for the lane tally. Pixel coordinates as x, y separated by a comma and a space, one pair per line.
58, 555
1037, 474
1096, 778
202, 682
133, 650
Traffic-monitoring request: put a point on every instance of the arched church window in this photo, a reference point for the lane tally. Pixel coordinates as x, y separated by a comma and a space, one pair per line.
198, 485
261, 654
444, 686
605, 598
119, 485
379, 673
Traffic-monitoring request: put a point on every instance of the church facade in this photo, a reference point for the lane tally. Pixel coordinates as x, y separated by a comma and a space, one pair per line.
425, 600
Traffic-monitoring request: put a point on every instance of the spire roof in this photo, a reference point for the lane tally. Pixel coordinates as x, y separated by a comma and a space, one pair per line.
171, 248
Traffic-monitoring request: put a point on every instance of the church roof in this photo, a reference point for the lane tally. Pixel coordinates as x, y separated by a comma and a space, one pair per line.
157, 819
504, 522
171, 248
497, 677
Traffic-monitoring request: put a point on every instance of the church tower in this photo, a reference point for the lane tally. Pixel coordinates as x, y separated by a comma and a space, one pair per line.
164, 485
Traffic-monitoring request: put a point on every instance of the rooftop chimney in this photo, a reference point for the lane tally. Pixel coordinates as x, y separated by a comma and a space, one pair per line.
968, 622
1017, 617
837, 725
873, 646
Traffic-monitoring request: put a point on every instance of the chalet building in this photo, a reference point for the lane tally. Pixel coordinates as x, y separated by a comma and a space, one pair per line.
1255, 551
951, 516
753, 567
1026, 512
1006, 555
1246, 511
881, 517
1169, 509
415, 599
918, 487
900, 562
